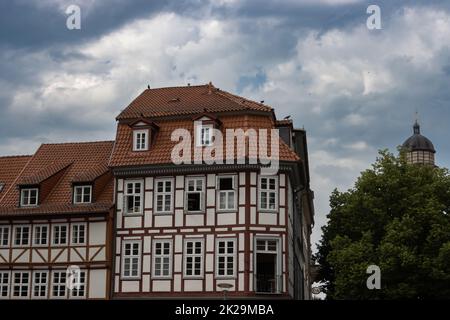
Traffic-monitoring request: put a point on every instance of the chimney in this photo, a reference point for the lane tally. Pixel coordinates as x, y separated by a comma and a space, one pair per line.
210, 86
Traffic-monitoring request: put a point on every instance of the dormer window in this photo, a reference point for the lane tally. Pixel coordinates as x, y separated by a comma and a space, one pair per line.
82, 194
29, 197
2, 185
144, 134
140, 140
204, 125
204, 135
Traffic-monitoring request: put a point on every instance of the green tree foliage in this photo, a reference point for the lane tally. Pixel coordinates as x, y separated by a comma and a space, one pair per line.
397, 216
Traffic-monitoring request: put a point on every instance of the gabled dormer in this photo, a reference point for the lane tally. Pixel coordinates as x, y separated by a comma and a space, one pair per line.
34, 189
204, 125
88, 185
144, 133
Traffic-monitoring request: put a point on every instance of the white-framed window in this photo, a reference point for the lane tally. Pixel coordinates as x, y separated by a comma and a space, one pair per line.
267, 265
4, 236
133, 197
193, 258
4, 284
59, 235
79, 233
140, 140
162, 259
59, 284
79, 290
226, 193
21, 284
21, 235
40, 284
29, 197
82, 194
195, 194
131, 259
226, 258
204, 135
268, 193
163, 195
40, 235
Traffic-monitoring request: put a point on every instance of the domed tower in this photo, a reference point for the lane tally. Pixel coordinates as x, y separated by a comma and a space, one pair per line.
420, 149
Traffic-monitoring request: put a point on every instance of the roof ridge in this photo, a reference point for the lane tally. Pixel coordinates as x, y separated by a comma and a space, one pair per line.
80, 142
177, 87
17, 156
224, 94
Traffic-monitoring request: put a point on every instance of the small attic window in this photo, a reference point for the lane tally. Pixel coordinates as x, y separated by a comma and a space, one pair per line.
29, 197
140, 140
204, 129
144, 133
2, 185
82, 194
204, 135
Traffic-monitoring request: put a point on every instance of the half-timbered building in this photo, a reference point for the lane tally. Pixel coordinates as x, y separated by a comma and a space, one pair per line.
56, 213
196, 228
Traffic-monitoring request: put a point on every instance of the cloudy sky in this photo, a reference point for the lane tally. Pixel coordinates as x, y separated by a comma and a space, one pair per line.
354, 90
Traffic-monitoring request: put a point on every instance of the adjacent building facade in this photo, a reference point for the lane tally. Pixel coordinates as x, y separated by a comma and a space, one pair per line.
56, 210
181, 204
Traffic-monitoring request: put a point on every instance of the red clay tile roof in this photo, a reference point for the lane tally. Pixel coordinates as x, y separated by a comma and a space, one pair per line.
176, 101
45, 173
87, 159
91, 174
10, 168
187, 101
160, 152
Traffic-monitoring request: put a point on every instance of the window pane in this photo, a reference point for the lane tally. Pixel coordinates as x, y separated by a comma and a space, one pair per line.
78, 197
263, 200
137, 187
263, 183
230, 247
129, 188
193, 200
261, 244
226, 183
272, 245
272, 184
231, 200
222, 200
167, 202
272, 200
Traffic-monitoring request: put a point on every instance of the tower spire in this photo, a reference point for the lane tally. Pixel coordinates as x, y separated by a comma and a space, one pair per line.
416, 126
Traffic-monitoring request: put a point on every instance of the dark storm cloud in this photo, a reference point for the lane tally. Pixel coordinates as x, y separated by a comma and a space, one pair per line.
28, 24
